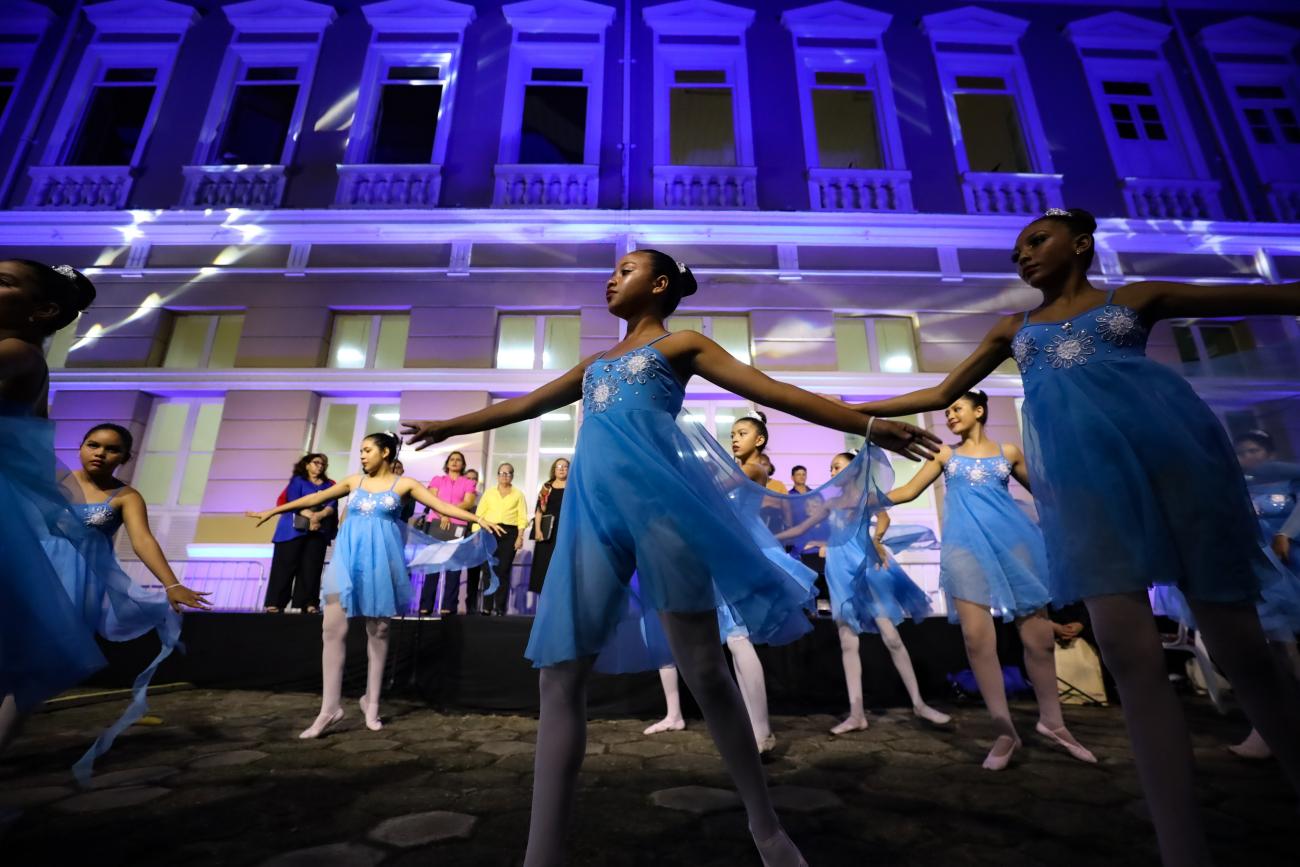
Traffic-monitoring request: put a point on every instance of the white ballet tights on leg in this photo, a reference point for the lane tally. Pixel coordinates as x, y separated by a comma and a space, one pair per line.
852, 662
753, 689
334, 634
376, 655
903, 665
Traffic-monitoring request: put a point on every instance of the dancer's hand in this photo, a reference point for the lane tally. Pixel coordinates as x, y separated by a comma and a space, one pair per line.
1282, 547
493, 528
178, 596
906, 439
880, 550
423, 434
261, 517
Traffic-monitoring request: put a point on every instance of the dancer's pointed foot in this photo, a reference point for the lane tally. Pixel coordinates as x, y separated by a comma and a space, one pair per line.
1000, 756
1253, 747
779, 851
852, 724
930, 715
667, 724
371, 713
324, 722
767, 744
1063, 737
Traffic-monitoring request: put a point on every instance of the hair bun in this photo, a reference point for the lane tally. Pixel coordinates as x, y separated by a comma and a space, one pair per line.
687, 281
1083, 219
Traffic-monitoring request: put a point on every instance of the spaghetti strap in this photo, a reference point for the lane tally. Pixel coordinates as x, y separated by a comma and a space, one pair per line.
1001, 454
394, 484
112, 494
660, 337
1025, 319
1110, 297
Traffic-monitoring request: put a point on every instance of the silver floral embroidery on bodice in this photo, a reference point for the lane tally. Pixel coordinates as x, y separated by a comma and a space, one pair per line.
384, 504
598, 391
1120, 326
100, 516
995, 470
639, 379
636, 366
1023, 350
1070, 348
1109, 332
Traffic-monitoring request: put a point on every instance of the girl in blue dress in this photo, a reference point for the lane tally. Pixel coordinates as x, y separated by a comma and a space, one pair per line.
644, 497
993, 563
44, 647
367, 575
869, 592
1136, 483
107, 600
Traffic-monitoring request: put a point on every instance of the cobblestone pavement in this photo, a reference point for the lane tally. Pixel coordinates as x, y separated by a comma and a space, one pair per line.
224, 780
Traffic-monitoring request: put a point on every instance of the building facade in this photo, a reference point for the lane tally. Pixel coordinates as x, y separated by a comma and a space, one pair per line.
308, 220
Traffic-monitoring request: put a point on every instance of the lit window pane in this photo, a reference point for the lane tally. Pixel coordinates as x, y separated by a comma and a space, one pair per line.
205, 427
895, 346
511, 438
515, 350
685, 323
723, 419
904, 470
194, 480
851, 352
350, 341
335, 434
167, 427
559, 429
153, 477
188, 341
732, 334
390, 354
382, 417
701, 127
846, 129
225, 345
560, 349
990, 129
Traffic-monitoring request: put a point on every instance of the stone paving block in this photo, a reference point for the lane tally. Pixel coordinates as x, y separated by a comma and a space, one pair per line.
131, 776
508, 748
20, 798
111, 799
800, 799
232, 759
421, 829
367, 745
332, 855
697, 800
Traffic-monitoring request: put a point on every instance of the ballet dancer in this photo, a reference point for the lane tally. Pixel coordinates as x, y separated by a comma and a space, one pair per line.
993, 562
644, 497
367, 576
1136, 483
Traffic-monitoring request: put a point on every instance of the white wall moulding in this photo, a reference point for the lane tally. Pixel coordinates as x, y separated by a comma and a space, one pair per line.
860, 190
79, 187
232, 186
389, 186
1117, 30
1284, 197
541, 186
1010, 193
279, 16
1249, 35
142, 16
1176, 199
418, 16
706, 187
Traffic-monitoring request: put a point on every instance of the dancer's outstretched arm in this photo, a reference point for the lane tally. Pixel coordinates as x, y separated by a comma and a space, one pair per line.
707, 359
423, 496
555, 394
923, 479
1157, 300
337, 492
136, 517
1019, 469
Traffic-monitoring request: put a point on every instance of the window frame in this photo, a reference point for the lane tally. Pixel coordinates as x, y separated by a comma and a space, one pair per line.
539, 336
24, 24
578, 18
400, 31
372, 336
184, 453
209, 342
148, 20
706, 327
359, 428
873, 341
999, 36
695, 21
529, 485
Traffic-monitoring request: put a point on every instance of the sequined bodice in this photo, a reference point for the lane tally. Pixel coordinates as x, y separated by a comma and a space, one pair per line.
966, 472
1111, 332
100, 516
368, 504
639, 379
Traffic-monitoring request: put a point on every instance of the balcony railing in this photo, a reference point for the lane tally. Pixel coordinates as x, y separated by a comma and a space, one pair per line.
546, 186
860, 190
1165, 199
232, 186
1010, 192
79, 187
706, 187
389, 186
1284, 197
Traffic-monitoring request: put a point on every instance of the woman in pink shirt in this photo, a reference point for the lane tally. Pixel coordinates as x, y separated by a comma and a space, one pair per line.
454, 487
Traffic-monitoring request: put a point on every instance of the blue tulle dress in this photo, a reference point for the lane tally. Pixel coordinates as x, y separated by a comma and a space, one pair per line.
368, 569
1273, 491
44, 646
1135, 480
883, 588
992, 554
114, 606
658, 496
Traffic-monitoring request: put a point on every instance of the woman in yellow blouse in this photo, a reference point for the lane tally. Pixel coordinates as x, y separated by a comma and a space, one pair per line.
504, 505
